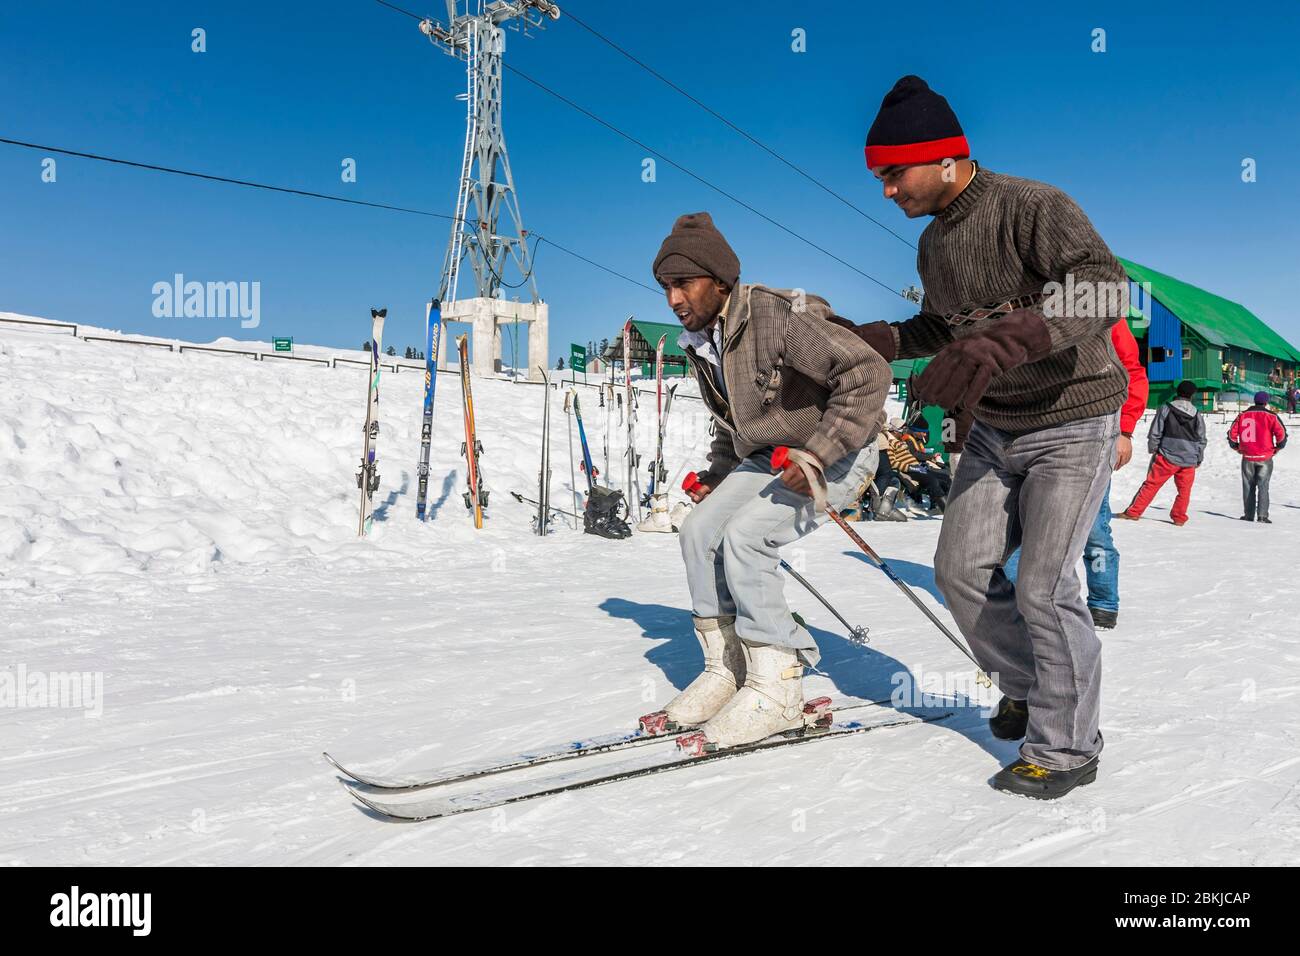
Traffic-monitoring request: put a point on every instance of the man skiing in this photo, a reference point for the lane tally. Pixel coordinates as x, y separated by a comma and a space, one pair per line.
1020, 295
1257, 433
772, 371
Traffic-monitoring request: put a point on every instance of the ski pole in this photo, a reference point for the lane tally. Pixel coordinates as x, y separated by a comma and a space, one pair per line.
857, 633
780, 458
525, 500
608, 390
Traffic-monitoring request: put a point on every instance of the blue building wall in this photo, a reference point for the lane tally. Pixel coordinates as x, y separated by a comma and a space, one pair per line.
1165, 332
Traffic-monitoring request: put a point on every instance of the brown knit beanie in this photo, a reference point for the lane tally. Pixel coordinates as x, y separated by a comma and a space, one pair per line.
696, 248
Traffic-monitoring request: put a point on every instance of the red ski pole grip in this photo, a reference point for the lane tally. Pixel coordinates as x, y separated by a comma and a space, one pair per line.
780, 456
690, 481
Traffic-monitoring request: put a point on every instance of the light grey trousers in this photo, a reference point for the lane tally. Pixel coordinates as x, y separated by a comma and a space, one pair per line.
731, 540
1039, 492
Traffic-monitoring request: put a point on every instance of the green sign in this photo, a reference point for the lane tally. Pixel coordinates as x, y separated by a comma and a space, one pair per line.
282, 345
577, 358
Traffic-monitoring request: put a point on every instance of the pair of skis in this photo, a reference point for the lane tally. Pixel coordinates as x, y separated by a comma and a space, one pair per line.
633, 459
502, 783
543, 520
476, 496
433, 341
368, 476
658, 473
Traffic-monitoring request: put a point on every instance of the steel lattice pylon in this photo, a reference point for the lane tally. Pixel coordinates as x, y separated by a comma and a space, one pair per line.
486, 200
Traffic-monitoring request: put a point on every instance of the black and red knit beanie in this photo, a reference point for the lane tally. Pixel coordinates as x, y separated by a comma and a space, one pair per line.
915, 125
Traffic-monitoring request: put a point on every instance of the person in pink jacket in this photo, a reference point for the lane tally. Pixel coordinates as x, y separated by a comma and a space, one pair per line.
1257, 434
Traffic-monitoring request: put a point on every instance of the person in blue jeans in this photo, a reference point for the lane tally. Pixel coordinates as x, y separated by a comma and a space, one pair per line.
1101, 564
1100, 556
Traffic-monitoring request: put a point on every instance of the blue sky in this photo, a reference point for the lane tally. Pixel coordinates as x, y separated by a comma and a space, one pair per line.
1149, 137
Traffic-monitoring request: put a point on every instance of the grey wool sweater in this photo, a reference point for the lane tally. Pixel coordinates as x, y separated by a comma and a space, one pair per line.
1002, 241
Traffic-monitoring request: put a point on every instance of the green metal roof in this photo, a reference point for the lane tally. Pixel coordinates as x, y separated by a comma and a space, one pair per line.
645, 336
1219, 320
650, 331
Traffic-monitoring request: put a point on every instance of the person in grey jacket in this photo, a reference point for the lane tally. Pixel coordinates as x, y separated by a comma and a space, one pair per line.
772, 371
1176, 443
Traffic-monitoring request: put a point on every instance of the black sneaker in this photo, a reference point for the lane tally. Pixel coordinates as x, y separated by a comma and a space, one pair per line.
1030, 780
1246, 518
1010, 721
1103, 618
1263, 521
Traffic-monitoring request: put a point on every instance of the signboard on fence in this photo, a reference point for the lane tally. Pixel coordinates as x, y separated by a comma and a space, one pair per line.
578, 358
282, 345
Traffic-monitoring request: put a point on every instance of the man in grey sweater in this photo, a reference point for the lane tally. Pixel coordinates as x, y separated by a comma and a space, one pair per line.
1020, 294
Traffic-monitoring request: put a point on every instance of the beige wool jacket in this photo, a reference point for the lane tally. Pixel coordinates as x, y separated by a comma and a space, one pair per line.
792, 378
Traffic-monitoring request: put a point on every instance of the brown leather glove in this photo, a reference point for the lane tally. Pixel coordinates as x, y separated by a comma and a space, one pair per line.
958, 376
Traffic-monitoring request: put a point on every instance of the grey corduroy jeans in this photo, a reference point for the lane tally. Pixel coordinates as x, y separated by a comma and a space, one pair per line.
1038, 491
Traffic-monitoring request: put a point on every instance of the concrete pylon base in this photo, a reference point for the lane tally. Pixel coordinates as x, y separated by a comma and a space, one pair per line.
487, 315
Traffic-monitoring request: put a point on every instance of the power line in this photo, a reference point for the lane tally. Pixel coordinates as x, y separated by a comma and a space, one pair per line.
569, 14
700, 179
220, 179
678, 166
153, 167
390, 6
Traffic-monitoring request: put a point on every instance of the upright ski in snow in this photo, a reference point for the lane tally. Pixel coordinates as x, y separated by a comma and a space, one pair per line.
475, 495
655, 466
587, 467
368, 476
432, 343
544, 472
633, 459
607, 399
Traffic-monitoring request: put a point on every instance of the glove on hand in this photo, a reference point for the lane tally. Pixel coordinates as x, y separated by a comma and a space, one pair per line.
957, 377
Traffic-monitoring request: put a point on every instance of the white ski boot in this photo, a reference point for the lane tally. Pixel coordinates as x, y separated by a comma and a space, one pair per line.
679, 513
657, 519
724, 672
770, 702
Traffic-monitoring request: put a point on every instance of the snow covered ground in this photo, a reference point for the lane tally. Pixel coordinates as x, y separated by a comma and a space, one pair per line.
181, 529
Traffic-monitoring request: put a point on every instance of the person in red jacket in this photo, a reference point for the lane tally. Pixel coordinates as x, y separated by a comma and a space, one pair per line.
1257, 434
